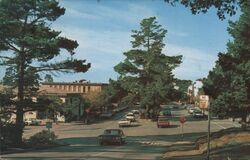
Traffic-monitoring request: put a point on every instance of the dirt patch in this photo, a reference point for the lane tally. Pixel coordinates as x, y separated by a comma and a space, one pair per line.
221, 139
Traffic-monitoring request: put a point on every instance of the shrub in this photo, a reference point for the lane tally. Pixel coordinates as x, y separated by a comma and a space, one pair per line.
8, 134
43, 138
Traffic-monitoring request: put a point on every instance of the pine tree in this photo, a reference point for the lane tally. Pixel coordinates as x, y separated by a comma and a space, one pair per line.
30, 45
146, 73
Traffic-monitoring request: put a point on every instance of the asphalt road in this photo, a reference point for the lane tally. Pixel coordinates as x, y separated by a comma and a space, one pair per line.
144, 140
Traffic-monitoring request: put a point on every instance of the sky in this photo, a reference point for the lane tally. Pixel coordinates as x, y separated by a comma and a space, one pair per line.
103, 30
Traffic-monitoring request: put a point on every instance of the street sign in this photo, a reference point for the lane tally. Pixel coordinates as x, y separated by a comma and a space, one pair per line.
204, 100
182, 119
48, 125
87, 110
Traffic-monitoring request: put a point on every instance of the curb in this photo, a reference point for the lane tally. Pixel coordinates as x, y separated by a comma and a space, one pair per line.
20, 150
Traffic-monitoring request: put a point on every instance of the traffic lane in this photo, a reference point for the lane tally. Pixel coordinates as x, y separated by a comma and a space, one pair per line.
76, 129
88, 148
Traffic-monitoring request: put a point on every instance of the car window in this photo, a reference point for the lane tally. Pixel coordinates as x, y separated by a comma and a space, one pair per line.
163, 119
112, 132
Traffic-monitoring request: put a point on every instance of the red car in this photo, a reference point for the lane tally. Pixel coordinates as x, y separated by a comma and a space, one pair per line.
163, 122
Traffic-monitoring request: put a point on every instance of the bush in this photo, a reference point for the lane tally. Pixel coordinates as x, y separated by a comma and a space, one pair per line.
8, 134
43, 138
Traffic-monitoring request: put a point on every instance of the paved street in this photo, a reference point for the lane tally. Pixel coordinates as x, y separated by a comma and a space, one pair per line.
144, 139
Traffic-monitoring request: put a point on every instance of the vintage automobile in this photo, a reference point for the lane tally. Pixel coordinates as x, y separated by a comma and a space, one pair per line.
33, 121
124, 122
198, 114
130, 116
112, 136
163, 122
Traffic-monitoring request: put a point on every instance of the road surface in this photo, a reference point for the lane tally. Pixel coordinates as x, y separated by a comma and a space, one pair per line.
144, 140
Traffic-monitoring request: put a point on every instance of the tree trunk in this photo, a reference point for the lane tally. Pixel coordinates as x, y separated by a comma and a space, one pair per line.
244, 121
20, 104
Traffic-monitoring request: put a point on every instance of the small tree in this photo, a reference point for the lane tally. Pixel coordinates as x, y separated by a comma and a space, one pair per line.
30, 46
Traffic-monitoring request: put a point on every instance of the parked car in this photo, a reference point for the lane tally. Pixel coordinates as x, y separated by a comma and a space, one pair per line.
198, 114
165, 112
130, 116
32, 121
135, 111
124, 122
112, 136
36, 122
163, 122
191, 110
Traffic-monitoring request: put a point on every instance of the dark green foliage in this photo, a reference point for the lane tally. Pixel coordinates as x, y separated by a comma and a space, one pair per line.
48, 78
42, 138
53, 107
181, 93
229, 82
30, 46
146, 73
9, 133
224, 7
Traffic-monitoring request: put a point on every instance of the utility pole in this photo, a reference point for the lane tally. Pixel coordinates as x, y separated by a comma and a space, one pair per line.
208, 134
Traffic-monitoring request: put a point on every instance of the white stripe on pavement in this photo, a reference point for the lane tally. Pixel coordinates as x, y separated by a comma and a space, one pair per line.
219, 125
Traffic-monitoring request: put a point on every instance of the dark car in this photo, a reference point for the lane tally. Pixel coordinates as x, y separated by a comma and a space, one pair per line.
163, 122
165, 112
198, 114
112, 136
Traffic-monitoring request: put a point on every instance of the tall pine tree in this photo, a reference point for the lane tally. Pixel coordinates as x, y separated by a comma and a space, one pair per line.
146, 73
30, 45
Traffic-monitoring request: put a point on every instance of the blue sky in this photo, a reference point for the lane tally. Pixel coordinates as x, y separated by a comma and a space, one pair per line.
103, 31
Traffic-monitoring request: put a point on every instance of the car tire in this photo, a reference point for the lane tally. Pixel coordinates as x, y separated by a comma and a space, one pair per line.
101, 143
120, 142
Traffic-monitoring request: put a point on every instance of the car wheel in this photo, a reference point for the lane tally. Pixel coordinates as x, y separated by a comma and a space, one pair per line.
101, 143
120, 142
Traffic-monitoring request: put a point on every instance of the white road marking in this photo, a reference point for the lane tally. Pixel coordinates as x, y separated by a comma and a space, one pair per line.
219, 125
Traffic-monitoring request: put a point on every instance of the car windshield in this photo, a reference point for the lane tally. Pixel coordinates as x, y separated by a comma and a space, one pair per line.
112, 132
163, 119
130, 114
197, 111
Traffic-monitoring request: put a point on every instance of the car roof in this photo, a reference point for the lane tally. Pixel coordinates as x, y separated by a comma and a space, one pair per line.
112, 130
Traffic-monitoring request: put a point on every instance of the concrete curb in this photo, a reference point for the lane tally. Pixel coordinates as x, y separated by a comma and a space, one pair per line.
20, 150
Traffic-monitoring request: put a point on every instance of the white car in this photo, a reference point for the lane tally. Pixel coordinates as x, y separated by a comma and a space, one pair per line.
124, 123
130, 116
135, 111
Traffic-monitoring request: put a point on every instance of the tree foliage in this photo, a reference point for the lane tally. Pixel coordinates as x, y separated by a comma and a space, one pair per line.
229, 82
30, 44
224, 7
146, 73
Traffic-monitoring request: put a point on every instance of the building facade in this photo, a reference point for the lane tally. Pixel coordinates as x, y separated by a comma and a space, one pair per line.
72, 95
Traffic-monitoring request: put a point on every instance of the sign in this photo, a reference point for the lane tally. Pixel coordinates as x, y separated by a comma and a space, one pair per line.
87, 110
204, 100
48, 125
182, 119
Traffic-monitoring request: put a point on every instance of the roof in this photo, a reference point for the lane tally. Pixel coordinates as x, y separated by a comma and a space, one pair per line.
75, 83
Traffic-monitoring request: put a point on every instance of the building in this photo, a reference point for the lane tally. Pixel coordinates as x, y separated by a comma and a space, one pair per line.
72, 94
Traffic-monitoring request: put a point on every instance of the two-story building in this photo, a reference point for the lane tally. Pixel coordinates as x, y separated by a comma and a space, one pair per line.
72, 94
